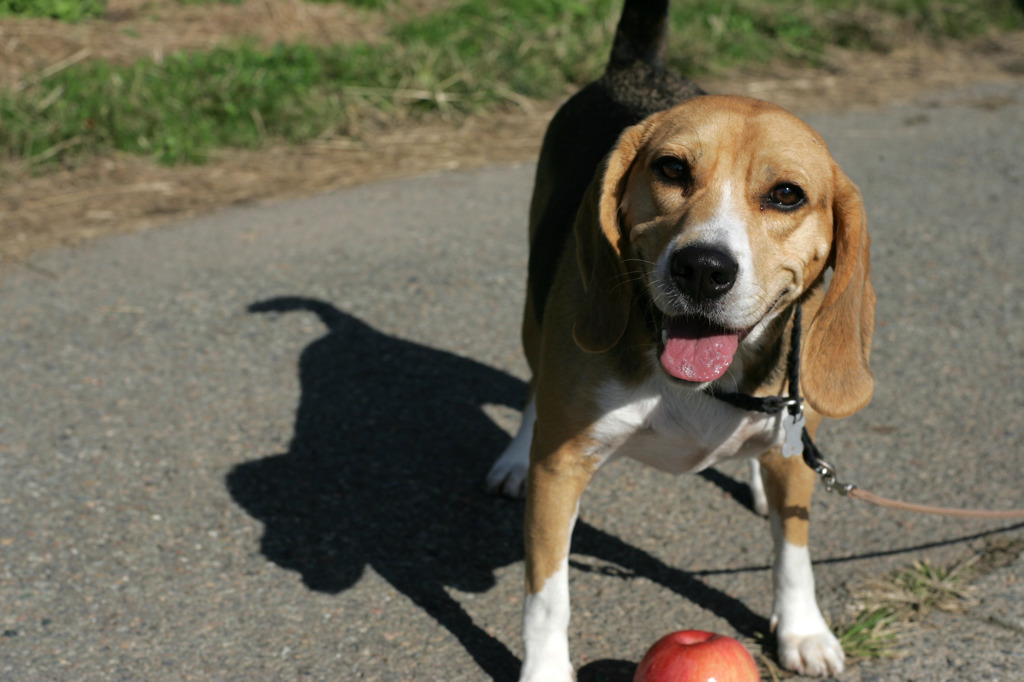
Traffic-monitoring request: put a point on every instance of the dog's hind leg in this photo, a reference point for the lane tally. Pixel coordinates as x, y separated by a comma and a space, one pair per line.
758, 497
508, 473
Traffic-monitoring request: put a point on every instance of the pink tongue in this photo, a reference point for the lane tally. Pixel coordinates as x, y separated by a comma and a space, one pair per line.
696, 353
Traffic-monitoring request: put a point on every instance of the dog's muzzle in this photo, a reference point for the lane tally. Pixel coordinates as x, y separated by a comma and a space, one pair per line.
693, 347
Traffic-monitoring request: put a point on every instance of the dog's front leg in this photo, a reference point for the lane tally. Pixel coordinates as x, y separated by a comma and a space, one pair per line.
554, 486
805, 643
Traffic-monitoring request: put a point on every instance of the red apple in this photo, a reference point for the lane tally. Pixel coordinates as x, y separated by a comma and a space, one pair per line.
697, 656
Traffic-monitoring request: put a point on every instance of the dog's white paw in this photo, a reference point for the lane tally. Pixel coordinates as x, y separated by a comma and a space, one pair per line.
508, 475
815, 654
561, 672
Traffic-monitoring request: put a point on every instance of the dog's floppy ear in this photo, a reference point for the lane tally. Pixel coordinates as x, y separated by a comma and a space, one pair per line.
600, 244
836, 377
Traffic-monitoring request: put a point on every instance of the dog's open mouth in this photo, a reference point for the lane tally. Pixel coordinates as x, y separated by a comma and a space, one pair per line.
695, 349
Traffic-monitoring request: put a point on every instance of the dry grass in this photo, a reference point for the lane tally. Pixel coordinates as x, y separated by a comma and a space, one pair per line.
885, 608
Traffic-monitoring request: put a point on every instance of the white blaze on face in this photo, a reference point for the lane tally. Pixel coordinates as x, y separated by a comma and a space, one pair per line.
692, 349
727, 230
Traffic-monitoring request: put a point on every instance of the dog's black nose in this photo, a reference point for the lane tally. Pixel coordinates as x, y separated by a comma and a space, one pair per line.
703, 272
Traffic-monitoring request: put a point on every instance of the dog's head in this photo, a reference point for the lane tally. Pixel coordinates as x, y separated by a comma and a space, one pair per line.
727, 210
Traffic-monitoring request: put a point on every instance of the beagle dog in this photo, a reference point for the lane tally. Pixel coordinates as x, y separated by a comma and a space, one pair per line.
701, 232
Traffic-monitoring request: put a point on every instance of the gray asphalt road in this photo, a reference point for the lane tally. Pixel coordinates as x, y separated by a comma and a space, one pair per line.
249, 447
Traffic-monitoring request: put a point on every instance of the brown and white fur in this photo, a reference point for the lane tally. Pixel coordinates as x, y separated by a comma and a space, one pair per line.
713, 218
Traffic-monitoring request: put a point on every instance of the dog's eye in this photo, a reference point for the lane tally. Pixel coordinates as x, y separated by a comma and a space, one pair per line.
786, 196
672, 169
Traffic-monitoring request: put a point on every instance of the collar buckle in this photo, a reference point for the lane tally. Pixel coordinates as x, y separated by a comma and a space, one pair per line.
778, 403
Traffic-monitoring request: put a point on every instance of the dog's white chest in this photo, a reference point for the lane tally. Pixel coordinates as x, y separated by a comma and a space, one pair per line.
678, 431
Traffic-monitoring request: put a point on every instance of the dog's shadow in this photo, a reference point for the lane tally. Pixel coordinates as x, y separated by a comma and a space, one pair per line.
385, 469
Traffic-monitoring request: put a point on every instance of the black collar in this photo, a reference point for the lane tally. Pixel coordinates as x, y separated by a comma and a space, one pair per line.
798, 440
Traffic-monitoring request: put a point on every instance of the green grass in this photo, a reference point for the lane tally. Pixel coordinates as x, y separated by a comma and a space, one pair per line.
65, 10
709, 35
905, 596
471, 56
872, 634
181, 108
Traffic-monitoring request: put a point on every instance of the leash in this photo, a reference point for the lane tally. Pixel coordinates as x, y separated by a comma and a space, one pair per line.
799, 442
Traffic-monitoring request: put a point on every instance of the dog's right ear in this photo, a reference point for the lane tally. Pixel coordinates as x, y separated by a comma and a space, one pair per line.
600, 244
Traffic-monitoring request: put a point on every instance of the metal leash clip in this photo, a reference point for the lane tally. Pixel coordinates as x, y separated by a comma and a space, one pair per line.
828, 475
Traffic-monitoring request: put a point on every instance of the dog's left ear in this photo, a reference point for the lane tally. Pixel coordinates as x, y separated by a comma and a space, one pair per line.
836, 376
600, 243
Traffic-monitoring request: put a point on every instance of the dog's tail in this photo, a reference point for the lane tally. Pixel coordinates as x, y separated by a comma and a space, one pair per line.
642, 34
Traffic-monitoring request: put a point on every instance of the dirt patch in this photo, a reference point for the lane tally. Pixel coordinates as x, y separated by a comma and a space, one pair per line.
134, 29
121, 193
